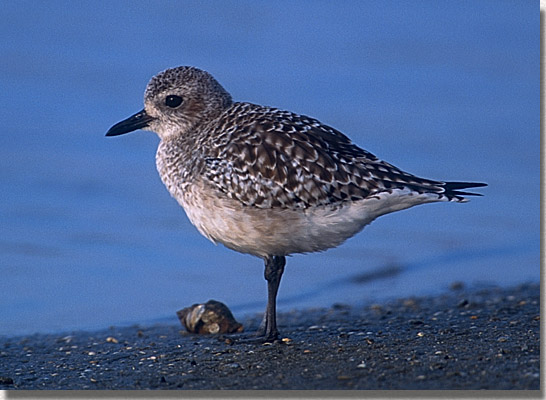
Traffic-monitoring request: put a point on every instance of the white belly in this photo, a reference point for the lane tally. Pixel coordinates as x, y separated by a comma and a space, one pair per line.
280, 232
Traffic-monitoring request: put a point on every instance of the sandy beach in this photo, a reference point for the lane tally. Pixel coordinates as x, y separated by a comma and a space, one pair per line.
480, 339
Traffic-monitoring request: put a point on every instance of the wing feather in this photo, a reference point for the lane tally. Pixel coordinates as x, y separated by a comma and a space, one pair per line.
273, 158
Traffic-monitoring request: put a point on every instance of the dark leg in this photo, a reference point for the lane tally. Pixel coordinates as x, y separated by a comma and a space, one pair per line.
274, 267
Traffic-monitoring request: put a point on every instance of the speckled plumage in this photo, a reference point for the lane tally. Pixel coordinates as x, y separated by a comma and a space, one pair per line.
265, 181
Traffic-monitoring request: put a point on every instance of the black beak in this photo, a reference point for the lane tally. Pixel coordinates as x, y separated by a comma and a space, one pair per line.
138, 121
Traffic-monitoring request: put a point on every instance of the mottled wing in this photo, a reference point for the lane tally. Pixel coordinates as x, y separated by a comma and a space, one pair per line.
266, 158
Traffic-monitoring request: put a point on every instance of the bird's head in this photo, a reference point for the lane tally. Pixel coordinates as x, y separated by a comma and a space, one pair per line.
176, 101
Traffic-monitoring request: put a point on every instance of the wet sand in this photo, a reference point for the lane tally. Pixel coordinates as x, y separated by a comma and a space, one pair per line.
484, 339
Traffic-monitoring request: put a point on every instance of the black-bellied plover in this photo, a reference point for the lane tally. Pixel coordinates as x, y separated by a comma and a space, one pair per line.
268, 182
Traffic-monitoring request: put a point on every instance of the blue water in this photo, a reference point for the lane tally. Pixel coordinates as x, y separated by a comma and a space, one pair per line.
89, 237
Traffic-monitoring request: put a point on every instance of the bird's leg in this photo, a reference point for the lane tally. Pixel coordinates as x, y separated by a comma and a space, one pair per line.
274, 267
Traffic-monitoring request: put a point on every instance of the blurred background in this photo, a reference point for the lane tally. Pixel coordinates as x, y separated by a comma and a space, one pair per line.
89, 236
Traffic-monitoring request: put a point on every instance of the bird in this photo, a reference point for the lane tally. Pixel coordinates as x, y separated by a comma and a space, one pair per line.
265, 181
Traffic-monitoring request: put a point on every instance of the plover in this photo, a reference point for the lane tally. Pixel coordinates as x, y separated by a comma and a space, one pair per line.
268, 182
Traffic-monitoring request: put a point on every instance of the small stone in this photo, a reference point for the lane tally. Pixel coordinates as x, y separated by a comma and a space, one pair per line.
66, 339
462, 303
111, 339
6, 380
361, 365
409, 303
457, 285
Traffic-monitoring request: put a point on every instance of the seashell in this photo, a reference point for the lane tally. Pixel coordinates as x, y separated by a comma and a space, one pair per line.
210, 317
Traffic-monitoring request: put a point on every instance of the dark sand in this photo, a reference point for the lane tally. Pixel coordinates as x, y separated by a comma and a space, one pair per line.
487, 339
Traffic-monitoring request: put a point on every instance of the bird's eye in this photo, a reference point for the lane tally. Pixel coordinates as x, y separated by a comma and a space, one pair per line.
173, 101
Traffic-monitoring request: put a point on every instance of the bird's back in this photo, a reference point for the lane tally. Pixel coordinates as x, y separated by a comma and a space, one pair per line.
265, 157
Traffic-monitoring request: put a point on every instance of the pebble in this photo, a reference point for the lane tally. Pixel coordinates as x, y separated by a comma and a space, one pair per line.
462, 303
316, 327
5, 380
457, 285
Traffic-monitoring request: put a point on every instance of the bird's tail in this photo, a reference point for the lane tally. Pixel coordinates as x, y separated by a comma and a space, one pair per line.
452, 190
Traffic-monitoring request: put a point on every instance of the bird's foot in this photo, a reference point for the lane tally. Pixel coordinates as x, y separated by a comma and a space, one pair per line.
267, 336
260, 337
